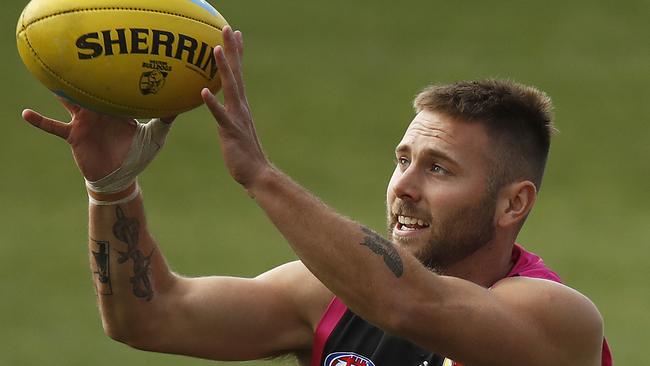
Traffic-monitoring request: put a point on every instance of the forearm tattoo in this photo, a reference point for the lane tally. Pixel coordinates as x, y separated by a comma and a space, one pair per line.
384, 248
102, 263
127, 230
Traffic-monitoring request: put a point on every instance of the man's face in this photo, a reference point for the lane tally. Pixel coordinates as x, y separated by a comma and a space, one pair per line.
438, 204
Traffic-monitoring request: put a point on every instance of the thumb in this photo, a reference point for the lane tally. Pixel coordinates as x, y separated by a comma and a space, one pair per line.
49, 125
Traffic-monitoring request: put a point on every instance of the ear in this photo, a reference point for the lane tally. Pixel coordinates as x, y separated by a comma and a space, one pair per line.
514, 203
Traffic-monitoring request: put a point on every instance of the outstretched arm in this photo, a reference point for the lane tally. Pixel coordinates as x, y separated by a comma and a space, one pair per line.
144, 304
519, 322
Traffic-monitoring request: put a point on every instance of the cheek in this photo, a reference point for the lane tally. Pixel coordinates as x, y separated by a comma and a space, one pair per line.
450, 196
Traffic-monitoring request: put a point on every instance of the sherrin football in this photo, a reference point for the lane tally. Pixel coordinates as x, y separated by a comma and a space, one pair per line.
136, 58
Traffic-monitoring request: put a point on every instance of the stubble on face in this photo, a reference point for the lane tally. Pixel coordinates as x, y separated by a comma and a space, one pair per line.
452, 236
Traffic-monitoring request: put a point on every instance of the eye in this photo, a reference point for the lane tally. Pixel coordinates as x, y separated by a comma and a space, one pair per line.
438, 169
402, 161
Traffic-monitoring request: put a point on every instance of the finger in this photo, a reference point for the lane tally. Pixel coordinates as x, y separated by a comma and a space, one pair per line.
48, 125
71, 107
231, 48
229, 42
240, 44
232, 55
217, 110
228, 82
238, 68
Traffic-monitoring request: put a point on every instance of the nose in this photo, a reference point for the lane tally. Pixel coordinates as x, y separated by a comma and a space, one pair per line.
406, 184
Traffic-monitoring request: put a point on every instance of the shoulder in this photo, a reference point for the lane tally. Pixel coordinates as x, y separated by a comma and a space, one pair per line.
566, 318
306, 294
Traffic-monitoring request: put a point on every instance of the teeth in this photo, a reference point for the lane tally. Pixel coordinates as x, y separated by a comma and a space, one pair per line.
407, 220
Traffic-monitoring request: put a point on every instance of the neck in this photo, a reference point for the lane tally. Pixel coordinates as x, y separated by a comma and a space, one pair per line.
487, 265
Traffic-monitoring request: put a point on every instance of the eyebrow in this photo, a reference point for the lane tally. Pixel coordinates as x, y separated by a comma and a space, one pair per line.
432, 153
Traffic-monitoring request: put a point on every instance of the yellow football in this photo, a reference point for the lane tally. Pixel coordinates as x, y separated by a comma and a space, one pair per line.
136, 58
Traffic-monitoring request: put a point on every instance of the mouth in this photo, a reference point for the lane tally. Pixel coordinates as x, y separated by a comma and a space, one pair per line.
408, 226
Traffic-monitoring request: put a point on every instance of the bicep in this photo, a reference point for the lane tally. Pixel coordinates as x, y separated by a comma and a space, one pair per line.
227, 318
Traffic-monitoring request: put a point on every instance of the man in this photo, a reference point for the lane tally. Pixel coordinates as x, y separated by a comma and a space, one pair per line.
451, 284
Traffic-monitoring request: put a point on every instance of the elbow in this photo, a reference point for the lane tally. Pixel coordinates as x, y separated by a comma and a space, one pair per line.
120, 334
130, 334
115, 332
135, 325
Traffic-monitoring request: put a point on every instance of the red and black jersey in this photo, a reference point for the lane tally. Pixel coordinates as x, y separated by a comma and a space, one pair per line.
343, 338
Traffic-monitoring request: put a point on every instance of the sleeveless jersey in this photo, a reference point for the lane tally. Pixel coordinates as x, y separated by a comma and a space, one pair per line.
342, 338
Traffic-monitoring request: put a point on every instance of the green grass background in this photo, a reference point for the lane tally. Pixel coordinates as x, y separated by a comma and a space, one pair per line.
330, 84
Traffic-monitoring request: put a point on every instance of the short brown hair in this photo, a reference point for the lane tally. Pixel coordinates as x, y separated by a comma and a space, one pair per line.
518, 118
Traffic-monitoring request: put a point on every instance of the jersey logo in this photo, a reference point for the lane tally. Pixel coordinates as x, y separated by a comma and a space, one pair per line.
449, 362
346, 359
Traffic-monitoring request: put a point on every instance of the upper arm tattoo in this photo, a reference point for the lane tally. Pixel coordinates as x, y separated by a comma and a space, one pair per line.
127, 230
384, 248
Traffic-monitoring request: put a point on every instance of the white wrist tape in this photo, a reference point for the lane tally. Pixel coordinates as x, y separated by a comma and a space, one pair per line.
147, 141
126, 199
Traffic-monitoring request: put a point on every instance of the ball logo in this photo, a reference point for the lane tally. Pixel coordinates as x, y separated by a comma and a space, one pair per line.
196, 54
151, 82
346, 359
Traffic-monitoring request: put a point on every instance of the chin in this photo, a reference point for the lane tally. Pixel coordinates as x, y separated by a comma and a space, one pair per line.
417, 246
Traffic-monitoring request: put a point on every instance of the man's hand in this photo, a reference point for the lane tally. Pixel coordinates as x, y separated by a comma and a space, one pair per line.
241, 149
102, 144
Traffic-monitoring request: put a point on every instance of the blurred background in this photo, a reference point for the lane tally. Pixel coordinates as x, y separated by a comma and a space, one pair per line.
331, 86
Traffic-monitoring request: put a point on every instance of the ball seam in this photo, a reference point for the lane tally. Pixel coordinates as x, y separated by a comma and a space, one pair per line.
121, 8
